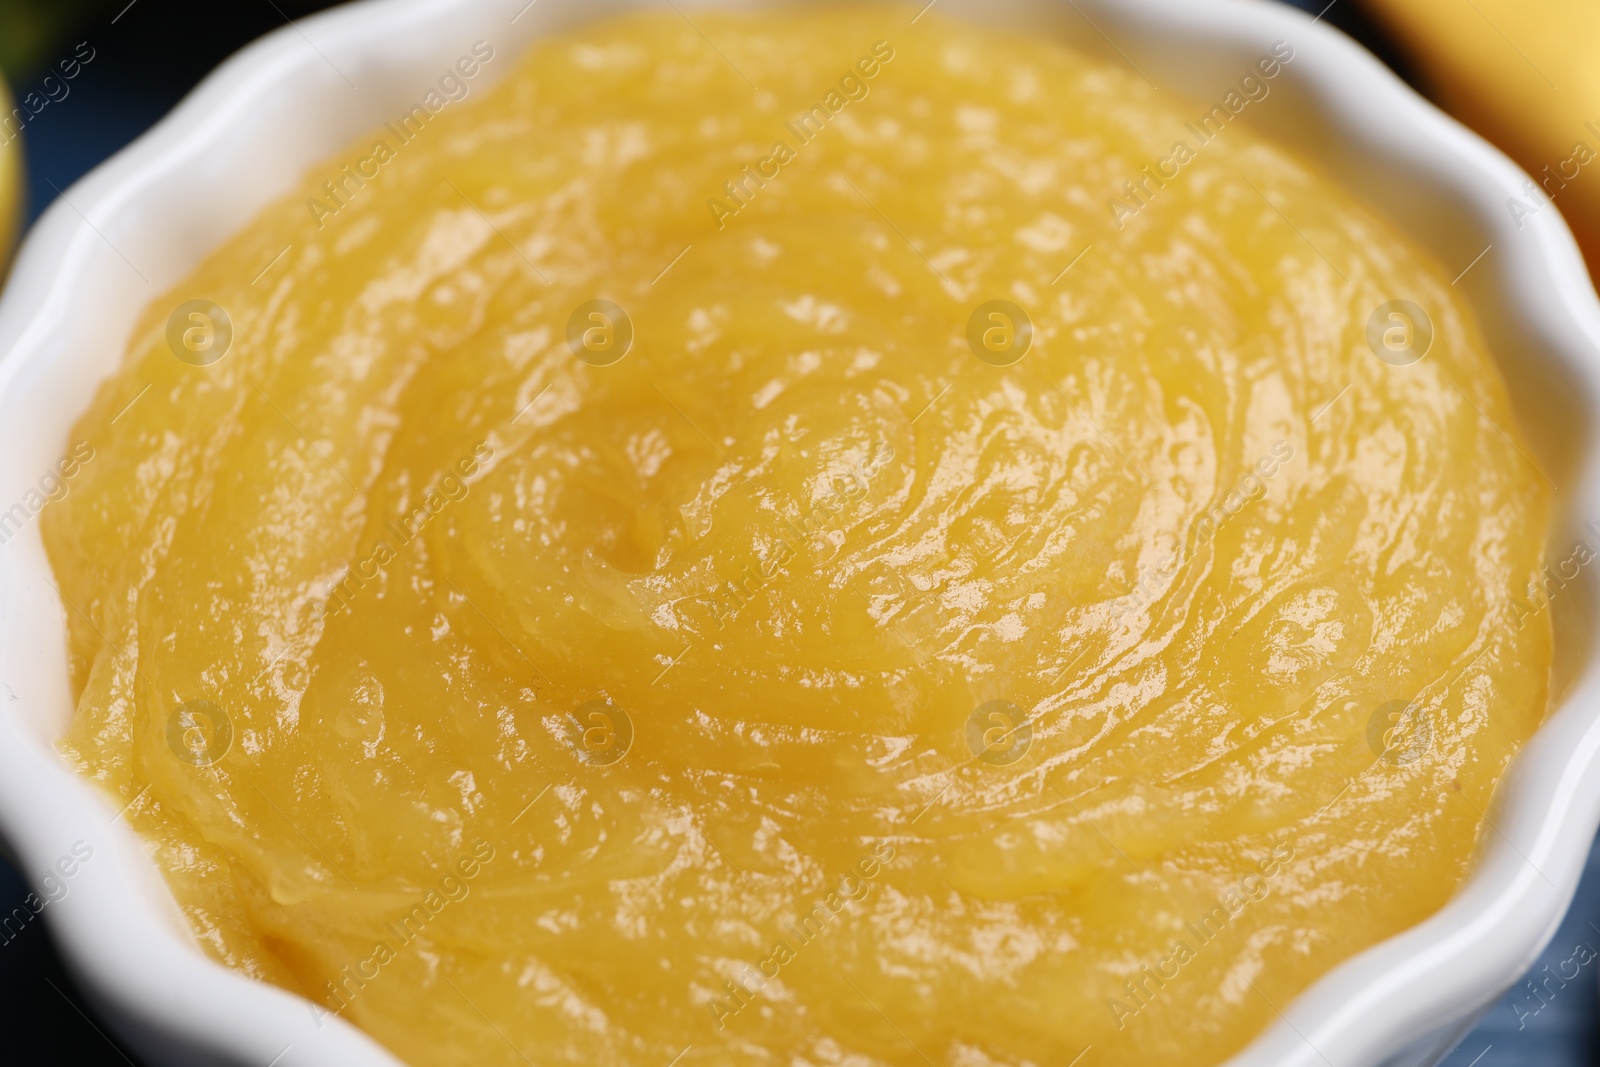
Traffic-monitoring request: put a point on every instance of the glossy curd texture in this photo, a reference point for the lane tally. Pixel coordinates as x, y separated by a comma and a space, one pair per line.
799, 687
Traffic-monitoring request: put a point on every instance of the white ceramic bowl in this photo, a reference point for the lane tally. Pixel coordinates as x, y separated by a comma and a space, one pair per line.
121, 236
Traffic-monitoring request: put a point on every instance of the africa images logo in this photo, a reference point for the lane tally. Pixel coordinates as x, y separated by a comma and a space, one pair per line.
453, 87
1142, 989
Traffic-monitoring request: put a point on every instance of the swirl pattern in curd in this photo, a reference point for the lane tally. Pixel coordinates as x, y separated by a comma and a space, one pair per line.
967, 714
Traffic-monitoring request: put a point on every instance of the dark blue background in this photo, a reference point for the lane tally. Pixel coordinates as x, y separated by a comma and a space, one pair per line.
144, 63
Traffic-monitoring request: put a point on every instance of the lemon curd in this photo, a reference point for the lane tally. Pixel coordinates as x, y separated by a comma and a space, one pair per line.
775, 540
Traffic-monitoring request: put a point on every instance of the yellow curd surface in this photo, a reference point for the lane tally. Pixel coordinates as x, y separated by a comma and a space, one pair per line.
766, 665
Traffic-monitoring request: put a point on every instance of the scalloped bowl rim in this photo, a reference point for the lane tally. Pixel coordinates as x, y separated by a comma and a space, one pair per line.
1404, 999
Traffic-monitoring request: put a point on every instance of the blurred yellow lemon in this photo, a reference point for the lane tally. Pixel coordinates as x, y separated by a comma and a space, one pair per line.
10, 181
1524, 76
